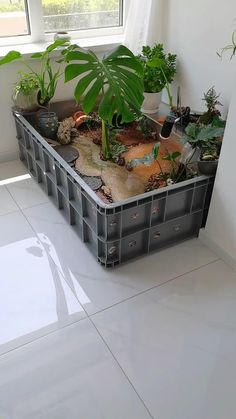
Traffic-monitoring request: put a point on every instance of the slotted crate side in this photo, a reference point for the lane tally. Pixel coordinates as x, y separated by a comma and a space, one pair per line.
117, 233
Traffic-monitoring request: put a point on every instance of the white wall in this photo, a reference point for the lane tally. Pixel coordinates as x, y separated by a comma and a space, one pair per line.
220, 231
195, 30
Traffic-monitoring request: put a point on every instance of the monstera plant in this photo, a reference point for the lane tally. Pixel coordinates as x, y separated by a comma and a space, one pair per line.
114, 84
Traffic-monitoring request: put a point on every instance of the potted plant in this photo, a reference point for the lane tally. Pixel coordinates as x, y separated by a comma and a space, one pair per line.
159, 71
46, 78
211, 101
207, 140
230, 47
116, 82
25, 92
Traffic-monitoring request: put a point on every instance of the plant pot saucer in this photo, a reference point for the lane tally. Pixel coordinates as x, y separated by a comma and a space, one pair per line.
68, 153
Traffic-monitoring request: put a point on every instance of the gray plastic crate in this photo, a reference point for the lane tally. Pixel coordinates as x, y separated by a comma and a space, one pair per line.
121, 231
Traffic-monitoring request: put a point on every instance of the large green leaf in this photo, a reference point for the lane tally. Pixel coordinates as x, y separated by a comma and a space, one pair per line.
118, 76
10, 56
209, 132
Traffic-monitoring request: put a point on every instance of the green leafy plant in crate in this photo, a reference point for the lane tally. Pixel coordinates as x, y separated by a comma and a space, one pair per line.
206, 138
113, 85
159, 69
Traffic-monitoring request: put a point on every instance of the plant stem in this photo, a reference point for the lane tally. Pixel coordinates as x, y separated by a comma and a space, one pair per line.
167, 86
169, 95
105, 141
186, 165
159, 165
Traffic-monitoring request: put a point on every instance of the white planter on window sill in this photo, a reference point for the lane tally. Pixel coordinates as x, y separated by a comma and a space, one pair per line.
151, 102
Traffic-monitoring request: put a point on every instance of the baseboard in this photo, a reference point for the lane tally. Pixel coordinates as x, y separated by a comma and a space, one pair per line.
9, 156
218, 250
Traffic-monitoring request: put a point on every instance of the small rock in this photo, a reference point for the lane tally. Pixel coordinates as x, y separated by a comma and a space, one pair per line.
106, 191
94, 182
103, 197
64, 130
121, 161
74, 133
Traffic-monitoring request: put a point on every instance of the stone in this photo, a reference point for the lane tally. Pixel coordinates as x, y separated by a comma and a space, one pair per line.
123, 184
106, 191
93, 182
68, 153
64, 130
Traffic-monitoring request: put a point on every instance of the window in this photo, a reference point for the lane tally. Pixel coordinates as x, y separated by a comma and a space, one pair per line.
35, 20
78, 15
13, 18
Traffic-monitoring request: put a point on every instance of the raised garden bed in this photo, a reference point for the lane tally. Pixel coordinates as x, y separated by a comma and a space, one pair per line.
119, 231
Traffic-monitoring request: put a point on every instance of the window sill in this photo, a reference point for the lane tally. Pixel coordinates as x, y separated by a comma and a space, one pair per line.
98, 44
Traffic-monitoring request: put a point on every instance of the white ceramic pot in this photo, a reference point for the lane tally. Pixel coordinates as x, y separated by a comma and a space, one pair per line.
26, 102
62, 35
151, 102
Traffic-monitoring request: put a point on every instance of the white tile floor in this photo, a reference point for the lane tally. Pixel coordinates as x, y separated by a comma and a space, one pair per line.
152, 339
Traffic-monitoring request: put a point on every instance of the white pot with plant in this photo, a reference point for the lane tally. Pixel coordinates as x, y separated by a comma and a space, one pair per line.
25, 93
46, 80
159, 71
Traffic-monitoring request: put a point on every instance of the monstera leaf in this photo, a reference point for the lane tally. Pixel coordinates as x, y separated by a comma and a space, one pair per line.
118, 78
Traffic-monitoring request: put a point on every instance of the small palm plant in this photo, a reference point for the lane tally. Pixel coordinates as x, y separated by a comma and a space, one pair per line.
117, 80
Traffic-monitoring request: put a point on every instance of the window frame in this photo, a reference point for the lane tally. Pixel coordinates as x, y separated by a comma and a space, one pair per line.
36, 27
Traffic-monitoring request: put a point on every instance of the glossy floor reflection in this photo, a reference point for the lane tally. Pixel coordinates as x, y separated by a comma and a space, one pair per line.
155, 338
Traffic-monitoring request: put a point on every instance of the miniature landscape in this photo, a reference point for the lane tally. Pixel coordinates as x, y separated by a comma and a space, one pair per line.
133, 168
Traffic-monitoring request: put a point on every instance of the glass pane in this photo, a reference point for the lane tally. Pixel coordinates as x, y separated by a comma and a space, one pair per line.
13, 18
69, 15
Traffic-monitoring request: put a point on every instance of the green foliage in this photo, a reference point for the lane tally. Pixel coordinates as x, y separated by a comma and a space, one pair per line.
10, 56
144, 125
75, 6
172, 156
47, 78
19, 6
211, 100
159, 68
155, 151
211, 153
116, 149
204, 136
62, 6
229, 48
119, 72
26, 84
174, 166
218, 122
116, 82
